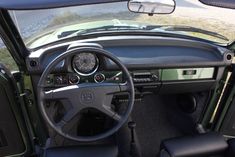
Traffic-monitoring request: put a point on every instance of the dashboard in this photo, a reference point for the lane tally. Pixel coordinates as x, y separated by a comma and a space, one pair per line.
164, 65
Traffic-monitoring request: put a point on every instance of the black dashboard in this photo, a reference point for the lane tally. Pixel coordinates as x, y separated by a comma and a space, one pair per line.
165, 65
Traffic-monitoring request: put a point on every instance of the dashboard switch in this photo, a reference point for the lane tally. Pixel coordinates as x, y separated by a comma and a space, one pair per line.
58, 80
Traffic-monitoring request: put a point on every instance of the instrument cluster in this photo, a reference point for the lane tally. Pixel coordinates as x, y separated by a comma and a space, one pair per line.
85, 63
65, 79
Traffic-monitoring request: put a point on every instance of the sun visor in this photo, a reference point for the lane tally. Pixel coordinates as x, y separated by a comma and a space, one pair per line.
220, 3
46, 4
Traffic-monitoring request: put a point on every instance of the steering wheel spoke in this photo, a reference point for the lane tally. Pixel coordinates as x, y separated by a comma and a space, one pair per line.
108, 88
111, 88
60, 93
124, 87
69, 116
107, 110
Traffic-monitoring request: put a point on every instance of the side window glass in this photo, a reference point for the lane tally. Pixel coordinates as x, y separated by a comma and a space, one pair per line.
6, 58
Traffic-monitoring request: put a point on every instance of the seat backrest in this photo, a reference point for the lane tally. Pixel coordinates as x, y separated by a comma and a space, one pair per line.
231, 149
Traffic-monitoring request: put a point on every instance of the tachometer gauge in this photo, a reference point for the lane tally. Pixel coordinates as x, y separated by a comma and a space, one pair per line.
85, 63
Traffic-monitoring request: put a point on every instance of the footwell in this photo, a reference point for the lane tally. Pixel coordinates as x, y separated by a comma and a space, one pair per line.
159, 118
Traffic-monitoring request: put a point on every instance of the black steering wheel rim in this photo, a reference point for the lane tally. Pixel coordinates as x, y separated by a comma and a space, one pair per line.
47, 71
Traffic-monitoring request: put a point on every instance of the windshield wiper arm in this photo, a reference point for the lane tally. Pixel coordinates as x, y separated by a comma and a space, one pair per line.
104, 28
189, 29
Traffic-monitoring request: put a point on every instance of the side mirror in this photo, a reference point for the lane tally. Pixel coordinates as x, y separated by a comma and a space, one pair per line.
152, 6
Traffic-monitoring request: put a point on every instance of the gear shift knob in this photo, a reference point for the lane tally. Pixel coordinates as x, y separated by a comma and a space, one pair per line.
131, 125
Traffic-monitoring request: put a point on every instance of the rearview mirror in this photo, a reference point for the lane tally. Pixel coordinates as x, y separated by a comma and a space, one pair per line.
152, 6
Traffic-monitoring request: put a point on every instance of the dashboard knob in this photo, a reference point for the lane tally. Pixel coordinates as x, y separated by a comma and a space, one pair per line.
155, 78
98, 78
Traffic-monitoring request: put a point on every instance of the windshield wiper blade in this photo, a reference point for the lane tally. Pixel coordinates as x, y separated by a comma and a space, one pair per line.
168, 28
189, 29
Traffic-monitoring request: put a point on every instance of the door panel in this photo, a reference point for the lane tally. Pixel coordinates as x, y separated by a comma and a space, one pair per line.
11, 139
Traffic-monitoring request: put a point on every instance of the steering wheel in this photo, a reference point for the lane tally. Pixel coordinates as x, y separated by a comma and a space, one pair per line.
86, 95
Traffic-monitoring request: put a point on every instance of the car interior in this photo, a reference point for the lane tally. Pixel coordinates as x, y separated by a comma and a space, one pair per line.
119, 94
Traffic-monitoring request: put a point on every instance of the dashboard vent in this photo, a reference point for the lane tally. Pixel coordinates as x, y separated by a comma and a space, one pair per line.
33, 63
229, 57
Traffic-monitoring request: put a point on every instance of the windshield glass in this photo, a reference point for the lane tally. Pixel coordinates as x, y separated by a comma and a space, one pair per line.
40, 27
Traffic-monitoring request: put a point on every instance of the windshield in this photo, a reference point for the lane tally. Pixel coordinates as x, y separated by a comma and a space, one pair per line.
192, 18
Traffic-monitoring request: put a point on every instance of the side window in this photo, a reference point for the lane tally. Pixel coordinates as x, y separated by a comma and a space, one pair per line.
6, 58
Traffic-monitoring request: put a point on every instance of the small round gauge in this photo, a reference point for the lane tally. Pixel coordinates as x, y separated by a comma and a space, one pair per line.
85, 63
99, 78
74, 79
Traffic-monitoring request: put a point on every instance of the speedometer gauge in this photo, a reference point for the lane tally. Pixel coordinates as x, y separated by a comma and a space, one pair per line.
85, 63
